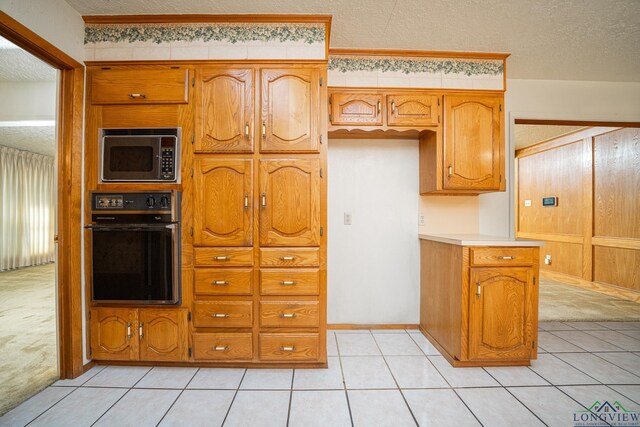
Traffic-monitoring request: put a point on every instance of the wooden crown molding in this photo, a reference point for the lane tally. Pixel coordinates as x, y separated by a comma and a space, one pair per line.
419, 53
204, 18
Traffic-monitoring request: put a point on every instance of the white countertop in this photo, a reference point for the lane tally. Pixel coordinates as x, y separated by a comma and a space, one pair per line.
479, 240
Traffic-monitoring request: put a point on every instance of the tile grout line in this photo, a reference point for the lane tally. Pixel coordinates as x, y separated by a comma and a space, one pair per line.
622, 394
570, 397
615, 364
178, 397
576, 345
293, 376
609, 342
344, 382
224, 420
54, 404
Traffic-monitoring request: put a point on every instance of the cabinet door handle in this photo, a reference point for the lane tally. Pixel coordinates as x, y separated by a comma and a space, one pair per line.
379, 106
220, 315
478, 290
140, 330
287, 348
246, 130
264, 129
287, 258
222, 258
393, 107
288, 315
506, 257
129, 330
263, 199
220, 348
137, 95
288, 282
246, 200
220, 282
450, 170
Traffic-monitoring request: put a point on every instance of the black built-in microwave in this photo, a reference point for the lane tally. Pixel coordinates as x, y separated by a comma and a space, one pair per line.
140, 155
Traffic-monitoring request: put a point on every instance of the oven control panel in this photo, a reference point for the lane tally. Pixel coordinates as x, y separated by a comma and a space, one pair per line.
157, 201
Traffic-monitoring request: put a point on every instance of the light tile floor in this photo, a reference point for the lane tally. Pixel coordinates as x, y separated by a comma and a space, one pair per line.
375, 378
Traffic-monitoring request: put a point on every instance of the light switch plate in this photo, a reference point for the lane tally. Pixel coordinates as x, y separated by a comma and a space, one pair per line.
527, 202
347, 218
421, 220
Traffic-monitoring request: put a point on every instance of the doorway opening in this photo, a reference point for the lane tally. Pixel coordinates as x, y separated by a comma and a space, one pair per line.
576, 187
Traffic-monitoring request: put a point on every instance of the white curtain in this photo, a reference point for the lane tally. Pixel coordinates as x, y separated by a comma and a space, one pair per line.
27, 208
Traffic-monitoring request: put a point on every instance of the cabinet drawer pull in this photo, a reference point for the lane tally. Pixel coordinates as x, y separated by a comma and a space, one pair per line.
140, 333
220, 348
129, 330
264, 129
450, 170
137, 95
288, 315
287, 348
379, 107
246, 129
478, 289
222, 258
506, 257
246, 200
219, 315
393, 107
220, 282
287, 258
288, 282
263, 198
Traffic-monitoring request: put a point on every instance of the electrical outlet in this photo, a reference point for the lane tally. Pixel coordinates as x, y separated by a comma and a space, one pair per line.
421, 220
527, 203
547, 259
347, 218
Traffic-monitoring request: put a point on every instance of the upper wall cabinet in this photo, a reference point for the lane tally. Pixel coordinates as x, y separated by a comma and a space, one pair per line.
412, 110
360, 109
290, 110
224, 110
139, 85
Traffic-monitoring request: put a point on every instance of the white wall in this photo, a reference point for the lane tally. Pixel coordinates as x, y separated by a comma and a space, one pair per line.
28, 101
53, 20
548, 100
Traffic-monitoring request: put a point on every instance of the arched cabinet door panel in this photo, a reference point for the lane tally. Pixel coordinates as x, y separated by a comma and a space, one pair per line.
412, 110
473, 152
113, 334
163, 334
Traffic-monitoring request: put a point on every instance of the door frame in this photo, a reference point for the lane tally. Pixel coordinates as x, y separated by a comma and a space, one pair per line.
69, 187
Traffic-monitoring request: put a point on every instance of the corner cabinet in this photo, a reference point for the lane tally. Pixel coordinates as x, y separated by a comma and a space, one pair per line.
479, 305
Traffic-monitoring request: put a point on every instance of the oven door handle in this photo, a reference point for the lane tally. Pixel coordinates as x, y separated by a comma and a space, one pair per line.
129, 227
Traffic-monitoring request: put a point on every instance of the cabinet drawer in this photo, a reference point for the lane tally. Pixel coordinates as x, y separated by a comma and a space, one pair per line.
294, 257
501, 256
222, 346
224, 257
412, 109
223, 281
285, 314
356, 109
289, 282
289, 346
223, 314
139, 86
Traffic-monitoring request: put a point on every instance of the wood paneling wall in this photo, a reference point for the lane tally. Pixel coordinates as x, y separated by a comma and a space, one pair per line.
594, 232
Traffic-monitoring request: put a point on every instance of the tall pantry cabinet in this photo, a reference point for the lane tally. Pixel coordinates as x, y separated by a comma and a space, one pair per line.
259, 214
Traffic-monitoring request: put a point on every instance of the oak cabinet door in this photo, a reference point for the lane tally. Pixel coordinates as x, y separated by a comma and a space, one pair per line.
113, 334
223, 214
500, 313
472, 142
290, 202
290, 110
356, 109
162, 334
224, 110
412, 110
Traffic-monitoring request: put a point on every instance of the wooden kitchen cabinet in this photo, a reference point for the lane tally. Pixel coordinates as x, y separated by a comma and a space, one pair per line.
224, 110
223, 210
479, 305
139, 85
413, 109
290, 108
290, 202
356, 108
138, 334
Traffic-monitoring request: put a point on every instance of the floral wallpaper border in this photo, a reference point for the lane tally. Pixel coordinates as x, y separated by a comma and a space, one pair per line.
406, 65
229, 32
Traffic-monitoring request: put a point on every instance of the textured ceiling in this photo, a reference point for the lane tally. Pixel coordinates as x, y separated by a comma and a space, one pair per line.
39, 139
527, 135
548, 39
16, 65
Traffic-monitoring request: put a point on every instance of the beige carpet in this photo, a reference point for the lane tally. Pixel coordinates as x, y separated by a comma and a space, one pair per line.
28, 354
560, 302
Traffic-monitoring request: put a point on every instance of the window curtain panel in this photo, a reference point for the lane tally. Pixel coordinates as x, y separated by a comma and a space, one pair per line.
27, 208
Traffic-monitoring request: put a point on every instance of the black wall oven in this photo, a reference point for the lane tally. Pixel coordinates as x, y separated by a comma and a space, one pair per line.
135, 248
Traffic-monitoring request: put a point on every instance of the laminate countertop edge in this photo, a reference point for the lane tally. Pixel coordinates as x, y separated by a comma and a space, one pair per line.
480, 240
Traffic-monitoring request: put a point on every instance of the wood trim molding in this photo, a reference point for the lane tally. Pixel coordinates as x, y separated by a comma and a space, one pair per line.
207, 18
611, 290
564, 238
587, 123
419, 53
355, 326
616, 242
569, 138
69, 117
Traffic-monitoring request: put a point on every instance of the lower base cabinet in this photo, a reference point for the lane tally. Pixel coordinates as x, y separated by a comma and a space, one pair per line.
222, 346
479, 305
145, 334
289, 347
